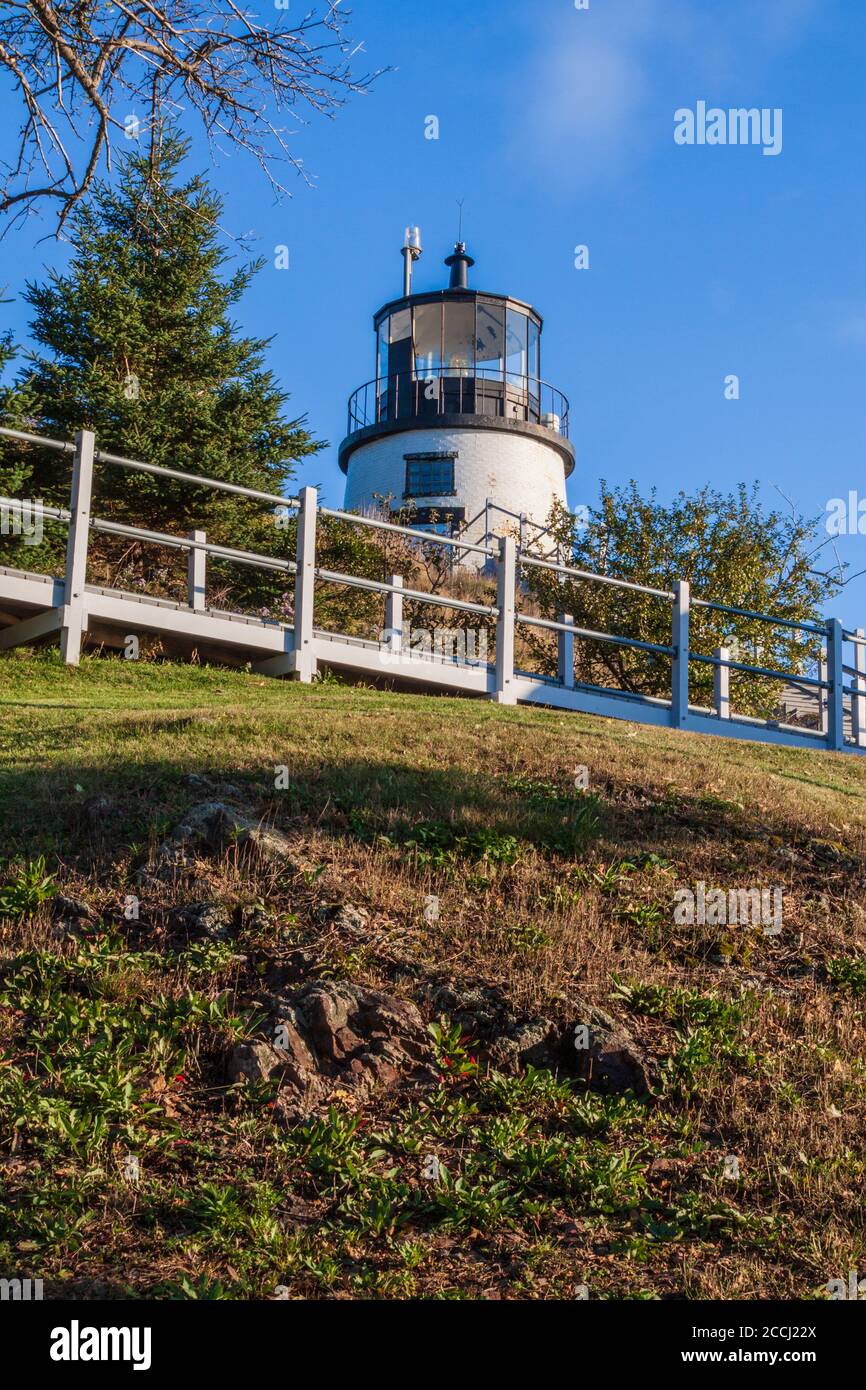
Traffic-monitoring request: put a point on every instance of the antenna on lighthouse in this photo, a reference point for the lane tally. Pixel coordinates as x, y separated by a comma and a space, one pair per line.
411, 252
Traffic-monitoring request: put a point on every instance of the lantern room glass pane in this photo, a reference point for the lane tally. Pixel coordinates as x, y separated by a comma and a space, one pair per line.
490, 338
516, 346
399, 326
382, 351
428, 339
534, 350
400, 343
459, 355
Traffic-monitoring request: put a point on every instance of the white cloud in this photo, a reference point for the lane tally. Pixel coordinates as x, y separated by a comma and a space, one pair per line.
598, 81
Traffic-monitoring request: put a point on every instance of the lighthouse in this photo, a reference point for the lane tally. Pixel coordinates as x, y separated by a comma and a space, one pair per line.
458, 424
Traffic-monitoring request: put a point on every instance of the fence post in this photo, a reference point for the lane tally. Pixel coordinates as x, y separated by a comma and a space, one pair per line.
74, 616
565, 652
680, 661
506, 581
305, 586
196, 568
823, 700
722, 683
394, 618
835, 710
858, 704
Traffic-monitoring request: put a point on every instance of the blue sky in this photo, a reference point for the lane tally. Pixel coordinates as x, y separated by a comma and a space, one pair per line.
556, 127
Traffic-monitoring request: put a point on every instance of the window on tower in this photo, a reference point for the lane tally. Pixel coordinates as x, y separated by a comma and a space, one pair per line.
490, 337
399, 342
429, 475
428, 339
515, 346
534, 351
459, 357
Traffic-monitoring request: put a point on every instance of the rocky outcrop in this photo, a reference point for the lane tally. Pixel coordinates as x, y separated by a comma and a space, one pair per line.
594, 1046
605, 1054
334, 1036
204, 921
71, 915
210, 826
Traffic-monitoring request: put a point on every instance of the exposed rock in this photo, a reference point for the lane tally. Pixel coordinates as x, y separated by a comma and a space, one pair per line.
206, 824
208, 920
256, 918
506, 1039
531, 1044
332, 1035
253, 1061
213, 824
610, 1060
349, 920
481, 1010
71, 911
200, 783
270, 845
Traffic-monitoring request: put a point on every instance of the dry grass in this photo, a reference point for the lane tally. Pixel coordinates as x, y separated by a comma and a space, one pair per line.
758, 1039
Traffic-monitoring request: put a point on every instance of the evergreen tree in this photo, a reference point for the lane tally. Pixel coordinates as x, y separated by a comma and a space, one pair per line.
136, 342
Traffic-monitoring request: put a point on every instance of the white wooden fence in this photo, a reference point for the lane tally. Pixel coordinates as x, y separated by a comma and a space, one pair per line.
37, 606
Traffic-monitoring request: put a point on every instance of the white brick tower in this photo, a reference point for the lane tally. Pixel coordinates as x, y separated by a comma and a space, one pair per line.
457, 422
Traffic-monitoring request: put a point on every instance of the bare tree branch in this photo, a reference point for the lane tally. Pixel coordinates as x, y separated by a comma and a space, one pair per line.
81, 68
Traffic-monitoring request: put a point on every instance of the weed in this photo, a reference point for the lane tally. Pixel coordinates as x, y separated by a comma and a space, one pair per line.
30, 887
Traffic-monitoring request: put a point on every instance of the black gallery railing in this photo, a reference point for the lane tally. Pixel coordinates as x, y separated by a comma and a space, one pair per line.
458, 391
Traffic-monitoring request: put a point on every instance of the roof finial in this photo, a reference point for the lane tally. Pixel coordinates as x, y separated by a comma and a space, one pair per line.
460, 202
459, 262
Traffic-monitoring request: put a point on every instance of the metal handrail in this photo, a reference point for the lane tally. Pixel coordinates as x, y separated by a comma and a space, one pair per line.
51, 513
198, 480
220, 552
355, 581
760, 670
595, 636
425, 536
62, 444
598, 578
821, 631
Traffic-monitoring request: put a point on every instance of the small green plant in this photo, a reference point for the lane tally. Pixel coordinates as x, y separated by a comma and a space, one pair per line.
646, 916
606, 877
30, 887
451, 1048
438, 845
848, 974
526, 937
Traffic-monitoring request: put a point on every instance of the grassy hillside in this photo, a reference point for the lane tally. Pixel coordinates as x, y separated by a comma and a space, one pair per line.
134, 1165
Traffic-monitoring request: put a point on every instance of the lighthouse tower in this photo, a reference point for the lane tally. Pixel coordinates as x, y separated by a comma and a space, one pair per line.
458, 424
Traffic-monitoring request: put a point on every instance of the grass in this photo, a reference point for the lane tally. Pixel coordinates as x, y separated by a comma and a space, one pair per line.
130, 1166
